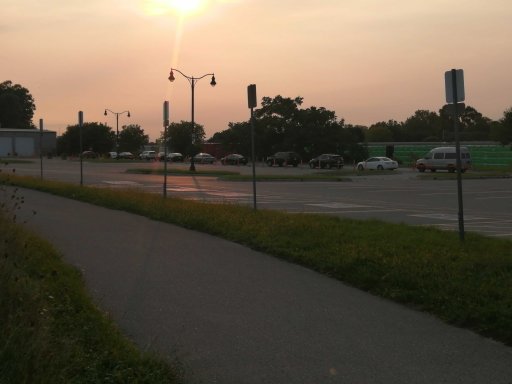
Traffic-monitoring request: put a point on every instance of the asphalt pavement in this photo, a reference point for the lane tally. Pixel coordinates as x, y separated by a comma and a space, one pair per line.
233, 315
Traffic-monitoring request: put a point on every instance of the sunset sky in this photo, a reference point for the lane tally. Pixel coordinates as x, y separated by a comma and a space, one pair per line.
367, 60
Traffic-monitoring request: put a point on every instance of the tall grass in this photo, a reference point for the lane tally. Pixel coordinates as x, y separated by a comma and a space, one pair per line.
466, 284
50, 331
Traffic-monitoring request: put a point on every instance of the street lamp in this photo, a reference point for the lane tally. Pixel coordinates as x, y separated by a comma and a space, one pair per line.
117, 127
192, 80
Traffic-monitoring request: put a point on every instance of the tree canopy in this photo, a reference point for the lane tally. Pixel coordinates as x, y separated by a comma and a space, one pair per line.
282, 125
96, 137
16, 106
132, 138
184, 138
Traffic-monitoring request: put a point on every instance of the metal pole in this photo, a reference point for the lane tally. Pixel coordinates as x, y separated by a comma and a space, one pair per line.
192, 165
117, 136
80, 124
41, 145
166, 124
253, 160
457, 153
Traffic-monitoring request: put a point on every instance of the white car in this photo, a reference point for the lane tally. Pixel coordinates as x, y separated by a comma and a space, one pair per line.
380, 163
148, 155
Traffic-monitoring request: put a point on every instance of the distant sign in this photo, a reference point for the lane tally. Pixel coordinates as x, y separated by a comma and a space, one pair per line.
251, 96
454, 86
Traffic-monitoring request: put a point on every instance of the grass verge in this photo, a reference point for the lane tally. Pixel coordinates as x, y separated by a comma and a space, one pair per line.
50, 331
466, 284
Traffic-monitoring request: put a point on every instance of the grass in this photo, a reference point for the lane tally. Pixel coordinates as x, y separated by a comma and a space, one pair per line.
466, 284
51, 331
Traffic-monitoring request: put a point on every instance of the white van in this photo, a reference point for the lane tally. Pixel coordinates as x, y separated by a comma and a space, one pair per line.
444, 158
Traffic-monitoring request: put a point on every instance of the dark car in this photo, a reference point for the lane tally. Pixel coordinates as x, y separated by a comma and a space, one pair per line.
175, 157
327, 160
126, 155
89, 155
234, 159
204, 158
283, 158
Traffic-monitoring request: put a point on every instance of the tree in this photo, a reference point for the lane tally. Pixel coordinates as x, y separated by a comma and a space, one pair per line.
16, 106
132, 138
281, 125
237, 138
423, 126
181, 137
474, 126
502, 130
379, 132
96, 137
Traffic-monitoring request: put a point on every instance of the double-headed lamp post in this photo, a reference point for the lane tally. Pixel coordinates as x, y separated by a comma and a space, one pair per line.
117, 127
192, 80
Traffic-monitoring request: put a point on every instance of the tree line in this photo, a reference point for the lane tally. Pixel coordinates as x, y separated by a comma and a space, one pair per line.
280, 124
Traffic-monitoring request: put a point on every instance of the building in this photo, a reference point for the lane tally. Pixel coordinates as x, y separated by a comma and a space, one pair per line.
27, 142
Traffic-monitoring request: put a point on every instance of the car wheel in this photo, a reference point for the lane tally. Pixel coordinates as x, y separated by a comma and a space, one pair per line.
380, 167
360, 167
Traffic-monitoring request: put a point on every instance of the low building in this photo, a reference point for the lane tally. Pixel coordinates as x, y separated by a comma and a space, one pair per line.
27, 142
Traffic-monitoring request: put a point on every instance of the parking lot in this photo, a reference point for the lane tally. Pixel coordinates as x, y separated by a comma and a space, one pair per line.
398, 196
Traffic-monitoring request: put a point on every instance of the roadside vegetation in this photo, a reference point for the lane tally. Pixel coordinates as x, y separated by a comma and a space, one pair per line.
50, 331
466, 284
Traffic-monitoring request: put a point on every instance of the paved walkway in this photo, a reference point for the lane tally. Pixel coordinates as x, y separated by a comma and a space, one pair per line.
232, 315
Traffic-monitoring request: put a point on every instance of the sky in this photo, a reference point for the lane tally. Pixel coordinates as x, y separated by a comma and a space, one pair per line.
366, 60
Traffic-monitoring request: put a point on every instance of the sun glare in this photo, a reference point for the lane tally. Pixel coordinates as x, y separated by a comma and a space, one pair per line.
182, 7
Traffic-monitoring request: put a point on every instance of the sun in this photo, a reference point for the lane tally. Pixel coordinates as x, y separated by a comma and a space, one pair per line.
182, 7
186, 6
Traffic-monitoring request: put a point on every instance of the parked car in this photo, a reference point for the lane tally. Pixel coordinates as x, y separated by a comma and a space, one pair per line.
112, 155
234, 159
126, 155
327, 160
175, 157
444, 158
380, 163
148, 155
204, 158
89, 155
283, 158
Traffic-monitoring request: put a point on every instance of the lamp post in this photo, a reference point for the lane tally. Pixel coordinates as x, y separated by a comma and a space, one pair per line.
117, 127
192, 80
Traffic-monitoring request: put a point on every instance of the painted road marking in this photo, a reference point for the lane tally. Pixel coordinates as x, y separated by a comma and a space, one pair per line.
339, 205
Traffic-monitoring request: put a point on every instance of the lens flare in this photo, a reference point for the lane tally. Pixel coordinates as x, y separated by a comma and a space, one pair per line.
182, 7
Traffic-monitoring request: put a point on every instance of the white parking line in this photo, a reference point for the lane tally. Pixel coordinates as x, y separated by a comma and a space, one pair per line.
446, 216
338, 205
121, 182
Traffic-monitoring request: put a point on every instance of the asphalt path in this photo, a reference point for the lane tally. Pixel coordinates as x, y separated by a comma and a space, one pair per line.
233, 315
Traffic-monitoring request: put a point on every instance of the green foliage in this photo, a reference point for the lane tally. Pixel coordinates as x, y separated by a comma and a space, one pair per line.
184, 138
467, 284
280, 124
51, 332
503, 131
16, 106
96, 137
132, 138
